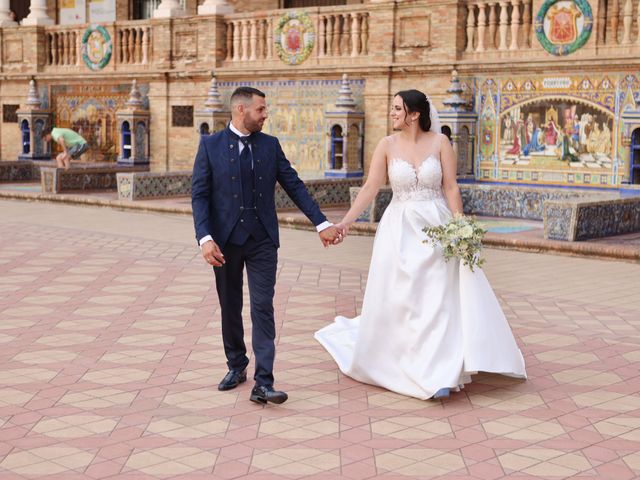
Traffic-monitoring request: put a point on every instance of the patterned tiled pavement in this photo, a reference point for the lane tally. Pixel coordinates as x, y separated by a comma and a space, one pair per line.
110, 353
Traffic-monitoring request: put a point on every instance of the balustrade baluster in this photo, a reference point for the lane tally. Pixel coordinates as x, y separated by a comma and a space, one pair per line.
245, 40
493, 24
355, 35
322, 36
638, 24
269, 38
504, 23
330, 35
54, 48
139, 33
132, 39
261, 40
229, 45
236, 41
615, 19
253, 39
65, 48
345, 48
146, 31
515, 24
125, 46
364, 35
47, 49
471, 26
72, 48
481, 27
526, 24
626, 21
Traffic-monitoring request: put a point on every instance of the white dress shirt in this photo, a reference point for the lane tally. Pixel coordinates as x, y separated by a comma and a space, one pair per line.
323, 226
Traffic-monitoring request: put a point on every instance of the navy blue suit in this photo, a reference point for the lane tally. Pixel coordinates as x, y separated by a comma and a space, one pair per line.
227, 197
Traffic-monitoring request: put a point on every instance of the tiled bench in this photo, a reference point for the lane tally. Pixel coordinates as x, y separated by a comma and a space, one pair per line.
582, 219
493, 200
20, 171
143, 185
82, 177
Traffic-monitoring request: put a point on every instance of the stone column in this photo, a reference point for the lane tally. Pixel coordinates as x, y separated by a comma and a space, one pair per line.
215, 7
168, 9
5, 18
38, 14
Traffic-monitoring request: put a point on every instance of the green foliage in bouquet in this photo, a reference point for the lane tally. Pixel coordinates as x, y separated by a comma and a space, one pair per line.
461, 237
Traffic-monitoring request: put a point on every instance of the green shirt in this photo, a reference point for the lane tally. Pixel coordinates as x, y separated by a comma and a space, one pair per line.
70, 137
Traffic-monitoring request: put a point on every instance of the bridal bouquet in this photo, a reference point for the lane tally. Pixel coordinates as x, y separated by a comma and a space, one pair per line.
461, 237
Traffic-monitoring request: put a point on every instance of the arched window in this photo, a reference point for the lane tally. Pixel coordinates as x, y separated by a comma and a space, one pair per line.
126, 140
204, 129
634, 176
336, 147
26, 136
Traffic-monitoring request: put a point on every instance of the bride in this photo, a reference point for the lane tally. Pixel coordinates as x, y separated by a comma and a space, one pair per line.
426, 325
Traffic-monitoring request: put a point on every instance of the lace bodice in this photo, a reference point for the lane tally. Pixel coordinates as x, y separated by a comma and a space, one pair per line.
423, 183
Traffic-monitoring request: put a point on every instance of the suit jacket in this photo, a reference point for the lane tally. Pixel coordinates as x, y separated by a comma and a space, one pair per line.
216, 195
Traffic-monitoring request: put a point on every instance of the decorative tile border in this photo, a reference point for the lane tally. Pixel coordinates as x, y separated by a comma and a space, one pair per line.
494, 200
581, 220
143, 185
19, 171
82, 177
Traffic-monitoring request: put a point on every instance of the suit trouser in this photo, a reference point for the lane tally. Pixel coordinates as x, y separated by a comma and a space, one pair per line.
261, 259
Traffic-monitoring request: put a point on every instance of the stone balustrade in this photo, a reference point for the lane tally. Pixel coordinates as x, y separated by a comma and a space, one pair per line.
617, 24
63, 46
133, 43
498, 26
342, 34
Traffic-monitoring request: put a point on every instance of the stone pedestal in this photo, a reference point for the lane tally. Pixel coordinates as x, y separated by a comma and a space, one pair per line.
5, 14
133, 130
32, 120
215, 7
345, 132
169, 9
38, 14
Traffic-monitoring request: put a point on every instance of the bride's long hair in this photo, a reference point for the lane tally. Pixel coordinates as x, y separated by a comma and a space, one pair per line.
416, 101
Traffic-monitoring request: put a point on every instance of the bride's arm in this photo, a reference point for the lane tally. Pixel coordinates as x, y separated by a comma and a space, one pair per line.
375, 179
450, 187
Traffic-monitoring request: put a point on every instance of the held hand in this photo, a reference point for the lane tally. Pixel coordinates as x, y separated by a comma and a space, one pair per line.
330, 236
343, 228
212, 254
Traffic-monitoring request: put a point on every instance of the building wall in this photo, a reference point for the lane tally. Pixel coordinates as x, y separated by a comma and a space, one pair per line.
409, 44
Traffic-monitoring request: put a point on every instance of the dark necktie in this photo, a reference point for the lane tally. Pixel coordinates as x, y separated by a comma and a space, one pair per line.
246, 171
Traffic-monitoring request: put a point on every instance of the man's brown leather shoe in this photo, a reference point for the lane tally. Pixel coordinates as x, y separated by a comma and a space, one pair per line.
232, 379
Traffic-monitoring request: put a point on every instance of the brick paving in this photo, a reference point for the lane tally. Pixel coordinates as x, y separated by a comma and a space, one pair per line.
111, 352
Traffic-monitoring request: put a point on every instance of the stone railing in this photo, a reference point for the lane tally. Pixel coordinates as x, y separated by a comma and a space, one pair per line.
498, 26
342, 35
131, 45
618, 26
63, 46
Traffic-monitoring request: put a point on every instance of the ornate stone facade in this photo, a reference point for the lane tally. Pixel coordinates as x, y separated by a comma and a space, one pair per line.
551, 86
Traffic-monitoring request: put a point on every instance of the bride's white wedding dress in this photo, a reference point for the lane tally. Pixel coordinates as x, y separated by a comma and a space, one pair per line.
425, 323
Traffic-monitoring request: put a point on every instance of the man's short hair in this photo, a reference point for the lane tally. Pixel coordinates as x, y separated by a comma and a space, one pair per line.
245, 93
46, 131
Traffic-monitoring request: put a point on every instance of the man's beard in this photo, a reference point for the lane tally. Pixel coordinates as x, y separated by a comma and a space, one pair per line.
254, 127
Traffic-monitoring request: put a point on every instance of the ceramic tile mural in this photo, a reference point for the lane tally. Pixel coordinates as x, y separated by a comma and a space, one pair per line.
296, 117
90, 109
555, 130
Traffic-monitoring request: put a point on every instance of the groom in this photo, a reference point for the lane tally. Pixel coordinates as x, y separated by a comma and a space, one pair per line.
233, 199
